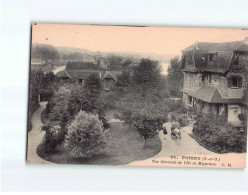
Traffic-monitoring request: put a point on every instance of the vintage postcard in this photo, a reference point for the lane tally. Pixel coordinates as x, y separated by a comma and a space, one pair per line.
138, 96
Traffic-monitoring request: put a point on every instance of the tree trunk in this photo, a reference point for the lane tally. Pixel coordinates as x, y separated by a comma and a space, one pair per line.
145, 143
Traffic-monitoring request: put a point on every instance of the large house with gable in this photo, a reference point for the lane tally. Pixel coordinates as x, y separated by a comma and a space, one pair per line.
215, 78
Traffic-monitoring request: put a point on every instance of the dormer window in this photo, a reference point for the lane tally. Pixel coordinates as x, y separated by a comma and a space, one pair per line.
235, 82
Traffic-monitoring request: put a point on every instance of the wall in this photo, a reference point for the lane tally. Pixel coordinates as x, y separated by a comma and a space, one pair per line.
233, 111
192, 81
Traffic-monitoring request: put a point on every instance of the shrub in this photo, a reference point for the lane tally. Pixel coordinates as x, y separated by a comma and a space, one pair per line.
53, 138
218, 135
86, 136
175, 105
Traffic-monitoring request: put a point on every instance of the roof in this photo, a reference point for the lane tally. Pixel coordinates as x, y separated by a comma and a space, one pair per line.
219, 65
214, 47
111, 75
83, 74
223, 55
211, 95
77, 74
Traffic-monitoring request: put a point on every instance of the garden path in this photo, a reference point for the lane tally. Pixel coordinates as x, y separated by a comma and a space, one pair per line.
187, 146
35, 137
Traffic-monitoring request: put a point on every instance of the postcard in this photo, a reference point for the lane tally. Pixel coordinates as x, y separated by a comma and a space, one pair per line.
138, 96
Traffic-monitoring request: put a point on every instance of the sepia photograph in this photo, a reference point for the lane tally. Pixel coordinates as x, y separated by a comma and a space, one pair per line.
150, 96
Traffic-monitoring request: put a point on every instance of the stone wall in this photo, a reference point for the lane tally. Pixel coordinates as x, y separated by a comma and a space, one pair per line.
192, 81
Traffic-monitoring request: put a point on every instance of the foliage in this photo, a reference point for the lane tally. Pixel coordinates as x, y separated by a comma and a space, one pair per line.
72, 56
79, 100
146, 117
124, 79
147, 74
110, 99
218, 135
53, 138
142, 106
175, 105
34, 92
175, 78
59, 103
44, 51
79, 65
93, 84
86, 136
114, 61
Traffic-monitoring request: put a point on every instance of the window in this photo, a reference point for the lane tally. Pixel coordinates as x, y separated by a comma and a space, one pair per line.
235, 82
209, 78
190, 100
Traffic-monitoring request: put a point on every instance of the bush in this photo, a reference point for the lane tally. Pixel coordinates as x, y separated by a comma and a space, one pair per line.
175, 105
110, 100
218, 135
53, 138
86, 136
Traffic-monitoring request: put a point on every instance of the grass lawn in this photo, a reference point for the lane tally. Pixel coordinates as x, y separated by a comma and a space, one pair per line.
125, 146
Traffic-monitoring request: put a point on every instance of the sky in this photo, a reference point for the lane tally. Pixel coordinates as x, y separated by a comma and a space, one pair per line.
153, 40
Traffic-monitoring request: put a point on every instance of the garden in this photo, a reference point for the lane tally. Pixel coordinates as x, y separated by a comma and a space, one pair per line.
76, 118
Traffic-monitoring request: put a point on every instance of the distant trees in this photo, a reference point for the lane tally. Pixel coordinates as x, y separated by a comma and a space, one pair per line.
114, 61
72, 56
45, 52
79, 65
175, 78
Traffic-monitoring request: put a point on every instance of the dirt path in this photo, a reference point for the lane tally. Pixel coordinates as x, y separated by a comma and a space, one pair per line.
35, 136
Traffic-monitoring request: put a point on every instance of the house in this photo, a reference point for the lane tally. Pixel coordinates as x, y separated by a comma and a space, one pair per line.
108, 78
215, 78
76, 76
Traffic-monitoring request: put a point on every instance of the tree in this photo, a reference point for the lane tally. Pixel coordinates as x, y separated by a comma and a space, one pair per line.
36, 78
114, 61
44, 51
175, 78
86, 136
147, 79
93, 84
59, 103
142, 105
126, 63
124, 79
146, 117
48, 85
80, 99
